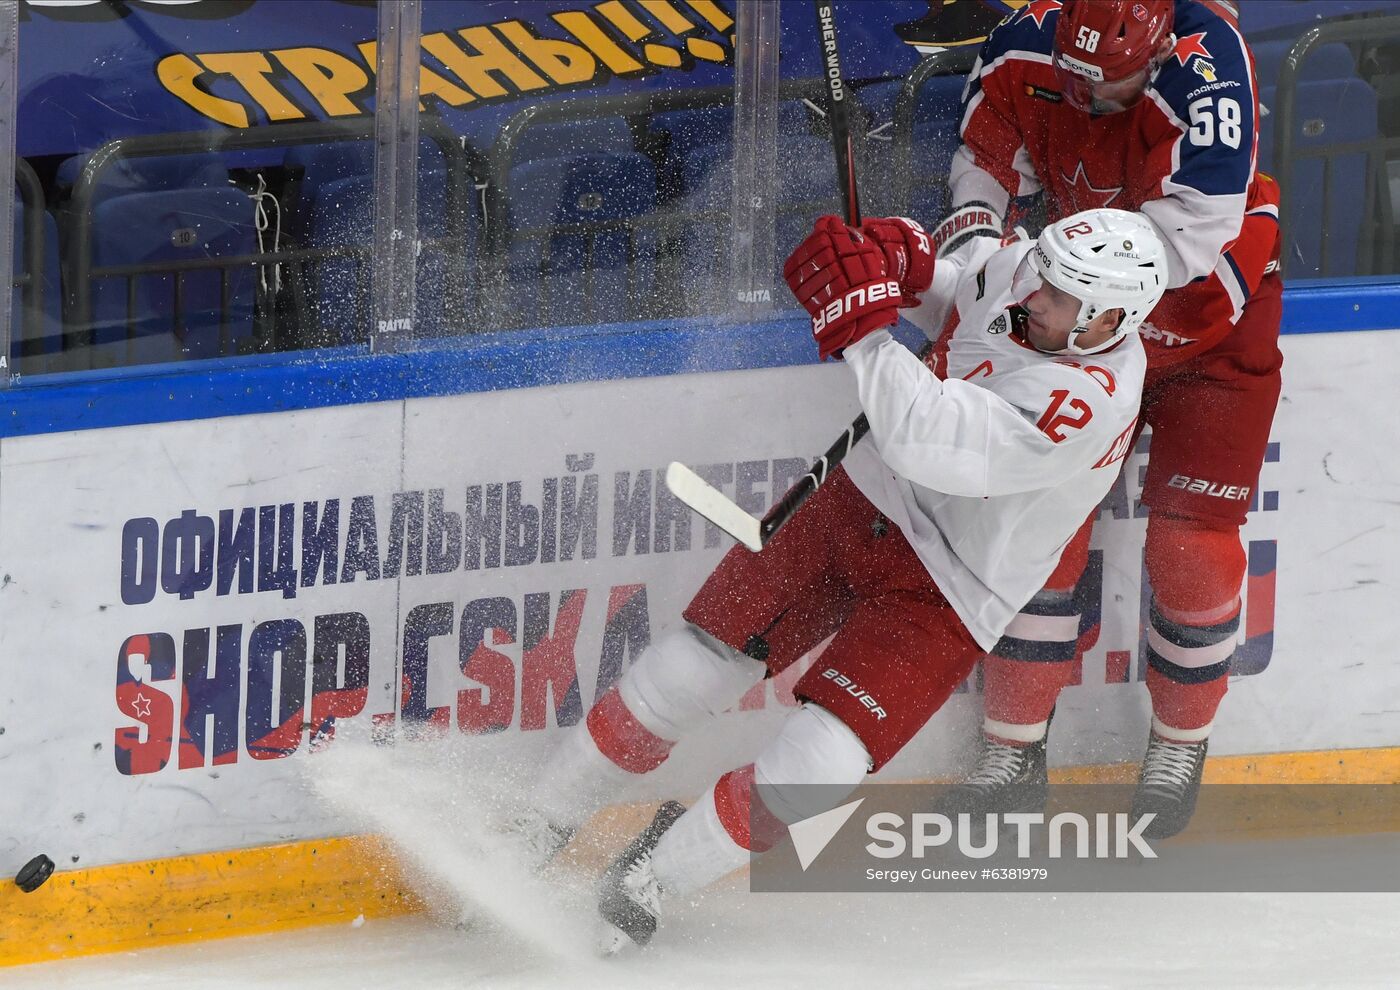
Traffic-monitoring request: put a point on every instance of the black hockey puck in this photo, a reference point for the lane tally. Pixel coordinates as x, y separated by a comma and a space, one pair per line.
33, 874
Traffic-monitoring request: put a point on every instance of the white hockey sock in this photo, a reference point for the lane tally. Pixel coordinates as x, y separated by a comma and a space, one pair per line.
813, 748
1172, 734
576, 781
1015, 733
697, 850
678, 683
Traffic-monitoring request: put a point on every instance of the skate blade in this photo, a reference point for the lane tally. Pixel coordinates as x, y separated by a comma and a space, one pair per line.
614, 942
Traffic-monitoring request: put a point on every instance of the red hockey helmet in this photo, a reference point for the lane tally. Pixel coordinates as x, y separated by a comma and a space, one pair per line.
1104, 47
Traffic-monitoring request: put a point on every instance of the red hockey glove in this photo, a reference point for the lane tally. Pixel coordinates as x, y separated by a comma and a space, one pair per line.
839, 277
908, 254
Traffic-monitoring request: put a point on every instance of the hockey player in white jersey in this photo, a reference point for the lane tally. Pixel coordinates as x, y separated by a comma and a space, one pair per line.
941, 526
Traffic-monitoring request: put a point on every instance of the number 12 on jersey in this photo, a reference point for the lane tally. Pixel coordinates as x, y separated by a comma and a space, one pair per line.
1054, 422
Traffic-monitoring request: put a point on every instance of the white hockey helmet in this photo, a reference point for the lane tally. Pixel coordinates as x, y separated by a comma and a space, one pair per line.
1107, 259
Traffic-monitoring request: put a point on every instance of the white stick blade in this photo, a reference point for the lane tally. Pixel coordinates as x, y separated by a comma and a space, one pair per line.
697, 493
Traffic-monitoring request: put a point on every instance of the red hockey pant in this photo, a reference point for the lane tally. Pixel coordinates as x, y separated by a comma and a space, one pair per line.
899, 648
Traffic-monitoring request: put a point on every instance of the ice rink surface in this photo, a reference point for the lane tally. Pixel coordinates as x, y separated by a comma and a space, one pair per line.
494, 923
734, 939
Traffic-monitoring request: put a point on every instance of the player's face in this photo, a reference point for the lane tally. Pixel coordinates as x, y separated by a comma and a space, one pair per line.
1053, 314
1110, 96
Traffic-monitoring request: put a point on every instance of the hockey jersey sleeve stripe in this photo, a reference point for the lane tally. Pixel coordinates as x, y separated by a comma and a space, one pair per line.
1235, 286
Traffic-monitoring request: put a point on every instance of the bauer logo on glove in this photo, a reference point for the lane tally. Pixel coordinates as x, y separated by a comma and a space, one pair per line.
853, 302
839, 277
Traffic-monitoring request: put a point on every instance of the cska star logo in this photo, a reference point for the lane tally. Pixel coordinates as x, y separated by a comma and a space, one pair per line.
1192, 44
1041, 10
1084, 195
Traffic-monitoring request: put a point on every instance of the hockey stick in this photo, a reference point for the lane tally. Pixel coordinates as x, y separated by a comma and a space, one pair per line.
684, 483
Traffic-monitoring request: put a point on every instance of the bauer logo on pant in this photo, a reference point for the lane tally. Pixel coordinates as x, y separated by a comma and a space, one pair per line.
855, 691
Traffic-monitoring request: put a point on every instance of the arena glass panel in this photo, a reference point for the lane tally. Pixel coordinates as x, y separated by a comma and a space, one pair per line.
577, 167
194, 182
576, 123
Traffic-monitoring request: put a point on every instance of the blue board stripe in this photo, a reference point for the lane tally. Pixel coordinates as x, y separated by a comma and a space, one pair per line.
517, 359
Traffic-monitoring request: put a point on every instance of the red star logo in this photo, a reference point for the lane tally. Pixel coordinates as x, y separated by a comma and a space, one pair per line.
1039, 11
141, 706
1084, 195
1190, 45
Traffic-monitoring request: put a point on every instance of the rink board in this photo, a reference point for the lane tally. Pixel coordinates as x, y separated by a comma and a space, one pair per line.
181, 720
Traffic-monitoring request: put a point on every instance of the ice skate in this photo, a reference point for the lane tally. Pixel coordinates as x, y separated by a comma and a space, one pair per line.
1169, 784
541, 839
1006, 779
629, 897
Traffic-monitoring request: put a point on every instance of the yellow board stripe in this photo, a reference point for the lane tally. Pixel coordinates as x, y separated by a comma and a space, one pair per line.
327, 881
188, 898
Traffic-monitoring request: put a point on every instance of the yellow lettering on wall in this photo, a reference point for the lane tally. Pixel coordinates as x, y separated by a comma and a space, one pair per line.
669, 16
328, 76
563, 61
177, 73
720, 21
586, 30
488, 61
625, 21
429, 82
712, 12
250, 70
474, 70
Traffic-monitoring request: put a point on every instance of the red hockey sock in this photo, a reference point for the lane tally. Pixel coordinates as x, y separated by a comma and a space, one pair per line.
1019, 696
1196, 574
1184, 712
743, 814
622, 738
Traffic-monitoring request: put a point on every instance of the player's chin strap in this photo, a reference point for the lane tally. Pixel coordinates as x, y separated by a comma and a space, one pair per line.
1087, 315
1072, 346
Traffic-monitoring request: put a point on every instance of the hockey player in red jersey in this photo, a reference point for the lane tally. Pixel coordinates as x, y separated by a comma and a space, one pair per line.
915, 554
1144, 105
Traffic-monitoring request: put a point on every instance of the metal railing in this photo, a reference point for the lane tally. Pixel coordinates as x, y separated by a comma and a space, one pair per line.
949, 62
463, 165
1376, 252
659, 230
31, 278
